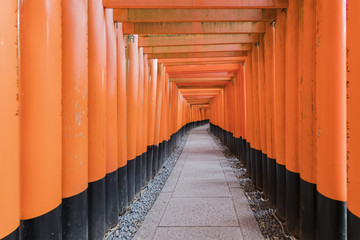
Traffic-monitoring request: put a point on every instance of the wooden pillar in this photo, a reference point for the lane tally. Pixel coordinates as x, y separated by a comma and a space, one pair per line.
132, 83
97, 119
331, 121
279, 118
152, 108
75, 118
147, 169
112, 187
270, 111
307, 153
353, 118
9, 119
292, 116
121, 117
40, 69
249, 133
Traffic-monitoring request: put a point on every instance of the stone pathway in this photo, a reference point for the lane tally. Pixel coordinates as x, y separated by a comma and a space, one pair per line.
201, 199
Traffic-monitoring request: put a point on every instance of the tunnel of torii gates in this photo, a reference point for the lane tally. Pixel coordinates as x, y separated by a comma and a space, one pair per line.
94, 95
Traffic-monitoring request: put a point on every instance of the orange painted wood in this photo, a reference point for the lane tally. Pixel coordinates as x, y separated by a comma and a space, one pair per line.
140, 105
190, 60
193, 15
152, 100
195, 4
261, 96
292, 87
146, 102
214, 79
199, 48
74, 97
111, 95
308, 91
196, 39
353, 115
194, 28
122, 114
331, 101
198, 55
159, 102
10, 122
132, 85
191, 68
255, 92
97, 91
279, 118
40, 123
201, 75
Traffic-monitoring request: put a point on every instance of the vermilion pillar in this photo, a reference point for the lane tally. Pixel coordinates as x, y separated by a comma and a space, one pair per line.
249, 113
331, 121
148, 165
97, 119
121, 117
75, 118
132, 83
270, 111
139, 137
112, 204
40, 69
292, 116
307, 153
353, 118
279, 117
152, 108
256, 167
9, 118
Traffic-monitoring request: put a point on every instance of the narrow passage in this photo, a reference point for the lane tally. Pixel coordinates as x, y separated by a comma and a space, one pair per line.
202, 198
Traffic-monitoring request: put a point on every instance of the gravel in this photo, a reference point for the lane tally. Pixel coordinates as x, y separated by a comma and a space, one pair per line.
270, 226
131, 220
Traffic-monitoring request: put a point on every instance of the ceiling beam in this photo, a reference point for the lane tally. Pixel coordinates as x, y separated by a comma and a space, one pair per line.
195, 4
178, 80
186, 60
194, 28
201, 75
201, 63
197, 55
196, 39
194, 15
210, 67
199, 48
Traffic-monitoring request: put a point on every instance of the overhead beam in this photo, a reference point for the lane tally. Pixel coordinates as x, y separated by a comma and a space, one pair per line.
201, 63
201, 75
194, 15
199, 48
186, 60
194, 28
197, 55
195, 4
210, 67
178, 80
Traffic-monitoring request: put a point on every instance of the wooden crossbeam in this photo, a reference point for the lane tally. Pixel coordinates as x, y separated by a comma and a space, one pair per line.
196, 39
194, 28
197, 55
195, 4
197, 68
194, 60
199, 48
194, 15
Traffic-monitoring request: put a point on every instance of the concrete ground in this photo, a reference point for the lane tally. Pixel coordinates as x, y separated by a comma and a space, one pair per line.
202, 198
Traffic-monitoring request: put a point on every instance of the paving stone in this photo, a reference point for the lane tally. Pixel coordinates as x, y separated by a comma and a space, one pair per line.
203, 189
198, 233
200, 212
206, 174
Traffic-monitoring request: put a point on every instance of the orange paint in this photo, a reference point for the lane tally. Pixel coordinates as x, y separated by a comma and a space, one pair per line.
40, 69
74, 97
152, 101
9, 118
140, 107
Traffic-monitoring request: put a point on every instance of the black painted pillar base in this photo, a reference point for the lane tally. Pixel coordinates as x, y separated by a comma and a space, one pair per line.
138, 175
143, 174
353, 224
75, 217
47, 226
112, 203
307, 210
123, 189
97, 209
155, 160
292, 203
252, 165
131, 179
15, 235
271, 181
280, 191
258, 169
265, 163
149, 163
331, 218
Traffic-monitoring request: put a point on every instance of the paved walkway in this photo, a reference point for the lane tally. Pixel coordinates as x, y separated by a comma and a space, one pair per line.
202, 198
